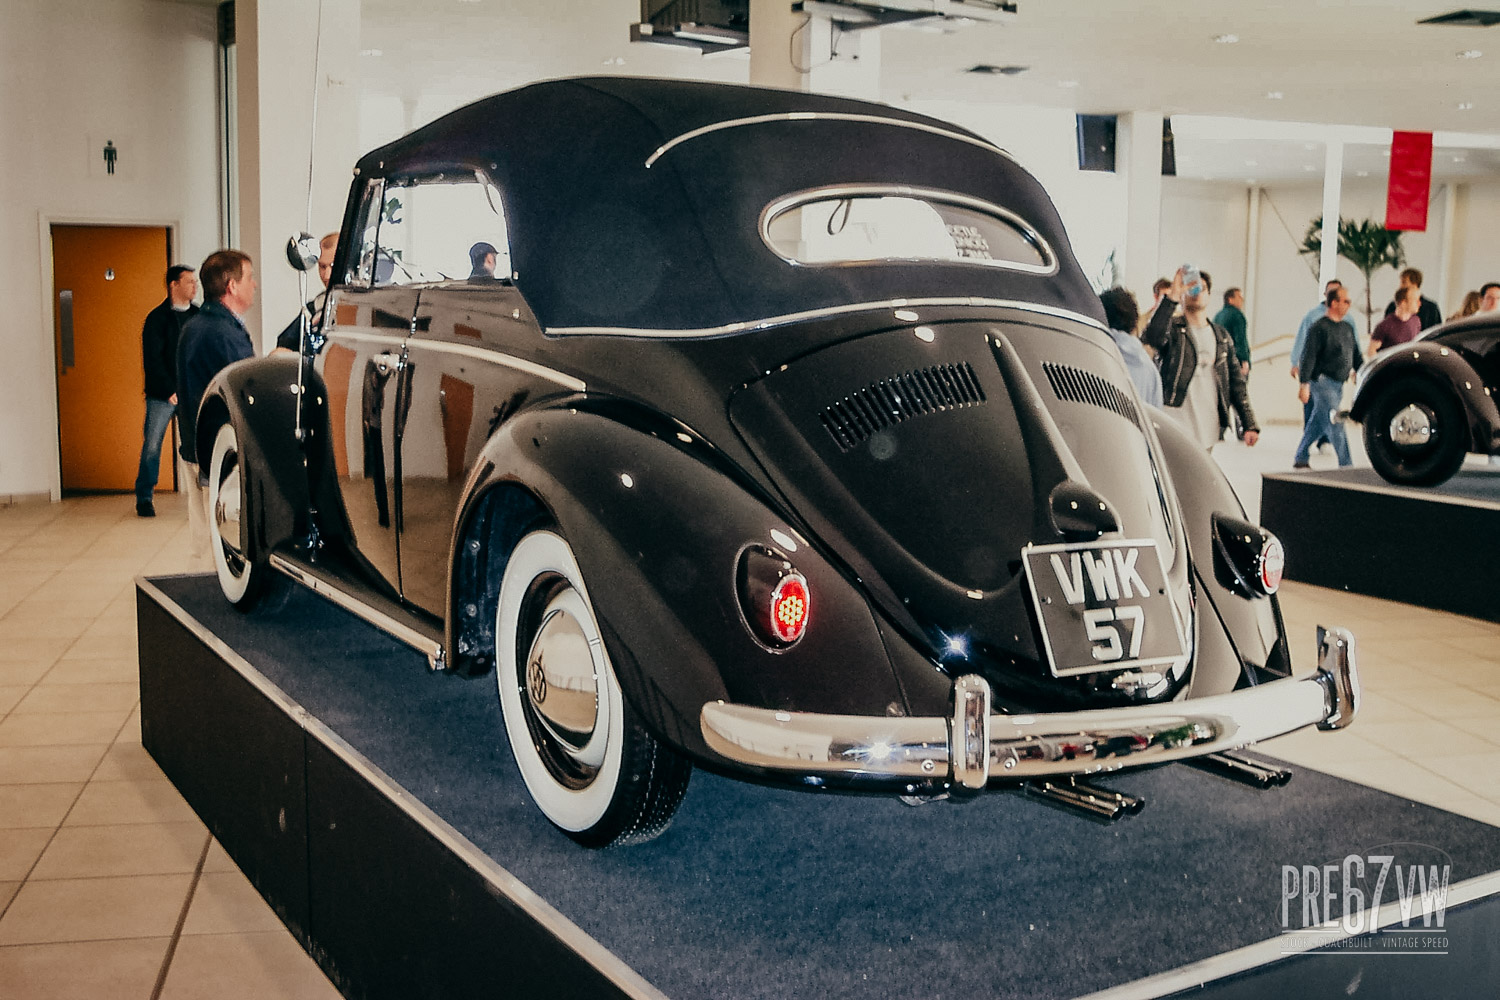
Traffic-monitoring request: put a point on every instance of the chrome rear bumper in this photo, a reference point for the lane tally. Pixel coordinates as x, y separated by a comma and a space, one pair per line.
974, 746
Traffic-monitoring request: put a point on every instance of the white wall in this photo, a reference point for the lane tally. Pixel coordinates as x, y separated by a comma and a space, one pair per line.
70, 71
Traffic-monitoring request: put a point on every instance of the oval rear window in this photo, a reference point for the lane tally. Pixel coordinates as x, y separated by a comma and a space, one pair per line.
869, 225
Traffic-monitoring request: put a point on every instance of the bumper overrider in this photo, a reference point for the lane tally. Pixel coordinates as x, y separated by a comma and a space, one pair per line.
975, 747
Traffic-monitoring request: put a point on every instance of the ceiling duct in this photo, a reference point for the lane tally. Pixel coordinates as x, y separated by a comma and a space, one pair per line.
851, 15
1466, 18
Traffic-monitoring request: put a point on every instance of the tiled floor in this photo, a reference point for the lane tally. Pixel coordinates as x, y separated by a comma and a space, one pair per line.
111, 887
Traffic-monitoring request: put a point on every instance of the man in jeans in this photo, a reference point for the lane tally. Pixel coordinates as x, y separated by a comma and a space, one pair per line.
159, 337
1328, 361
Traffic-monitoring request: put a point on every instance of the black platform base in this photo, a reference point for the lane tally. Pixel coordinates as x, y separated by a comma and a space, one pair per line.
376, 808
1351, 530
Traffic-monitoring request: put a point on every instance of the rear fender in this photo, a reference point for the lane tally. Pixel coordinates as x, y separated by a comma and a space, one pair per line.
658, 531
1445, 368
1256, 637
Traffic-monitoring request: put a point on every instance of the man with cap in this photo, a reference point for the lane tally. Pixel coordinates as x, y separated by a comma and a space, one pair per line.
482, 257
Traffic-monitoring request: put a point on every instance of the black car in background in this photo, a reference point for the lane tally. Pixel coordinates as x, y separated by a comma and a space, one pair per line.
1426, 404
785, 440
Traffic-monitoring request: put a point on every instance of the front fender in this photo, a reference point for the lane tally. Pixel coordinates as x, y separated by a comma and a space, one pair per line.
1235, 633
658, 530
1445, 367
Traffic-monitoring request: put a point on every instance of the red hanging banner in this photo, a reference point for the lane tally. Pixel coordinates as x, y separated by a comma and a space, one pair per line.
1411, 181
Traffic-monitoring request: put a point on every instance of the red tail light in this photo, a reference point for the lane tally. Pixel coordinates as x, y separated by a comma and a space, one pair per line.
789, 608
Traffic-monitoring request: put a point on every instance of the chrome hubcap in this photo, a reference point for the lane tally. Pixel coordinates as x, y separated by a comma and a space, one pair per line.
562, 681
1412, 427
227, 505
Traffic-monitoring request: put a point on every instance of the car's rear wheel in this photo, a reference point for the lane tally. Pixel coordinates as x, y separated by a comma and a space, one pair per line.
1416, 433
241, 575
589, 764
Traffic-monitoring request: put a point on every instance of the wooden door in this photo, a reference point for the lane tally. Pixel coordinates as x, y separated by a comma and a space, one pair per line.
105, 280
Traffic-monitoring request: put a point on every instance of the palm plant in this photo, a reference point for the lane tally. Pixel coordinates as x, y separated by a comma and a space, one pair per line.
1367, 246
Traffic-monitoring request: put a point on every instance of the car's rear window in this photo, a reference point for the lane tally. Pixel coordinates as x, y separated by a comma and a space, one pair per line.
861, 225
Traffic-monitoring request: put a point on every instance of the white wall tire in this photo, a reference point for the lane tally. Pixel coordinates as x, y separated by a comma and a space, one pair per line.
591, 768
235, 566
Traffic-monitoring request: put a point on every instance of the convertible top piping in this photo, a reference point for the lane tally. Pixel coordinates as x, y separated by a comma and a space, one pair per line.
839, 116
763, 324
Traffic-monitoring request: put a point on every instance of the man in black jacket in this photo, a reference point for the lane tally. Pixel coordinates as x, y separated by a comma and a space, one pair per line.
159, 337
1195, 356
1428, 312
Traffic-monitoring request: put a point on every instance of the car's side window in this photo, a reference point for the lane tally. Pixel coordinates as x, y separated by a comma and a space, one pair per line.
361, 264
441, 227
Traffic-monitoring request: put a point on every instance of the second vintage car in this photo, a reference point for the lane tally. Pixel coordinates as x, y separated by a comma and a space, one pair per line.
769, 432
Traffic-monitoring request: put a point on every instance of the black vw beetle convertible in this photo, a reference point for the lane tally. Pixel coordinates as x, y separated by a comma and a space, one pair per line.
768, 432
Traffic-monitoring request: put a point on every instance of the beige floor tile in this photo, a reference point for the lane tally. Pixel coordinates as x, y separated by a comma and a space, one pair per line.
128, 762
226, 903
235, 966
106, 697
77, 606
108, 803
1424, 737
131, 731
120, 632
61, 728
7, 892
135, 849
93, 970
12, 629
1484, 646
1446, 701
218, 859
1312, 747
19, 850
11, 695
102, 647
1476, 772
49, 765
1399, 777
111, 670
23, 673
32, 650
94, 909
36, 805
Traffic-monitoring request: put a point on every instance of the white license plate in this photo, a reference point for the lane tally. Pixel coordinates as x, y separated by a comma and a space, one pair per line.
1103, 606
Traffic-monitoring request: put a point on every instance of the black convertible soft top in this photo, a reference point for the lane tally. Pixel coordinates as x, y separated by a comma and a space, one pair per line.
600, 239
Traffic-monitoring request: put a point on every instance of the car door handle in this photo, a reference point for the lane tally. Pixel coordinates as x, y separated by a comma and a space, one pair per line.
65, 325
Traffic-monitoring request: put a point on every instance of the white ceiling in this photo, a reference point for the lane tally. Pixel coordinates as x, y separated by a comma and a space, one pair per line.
1335, 62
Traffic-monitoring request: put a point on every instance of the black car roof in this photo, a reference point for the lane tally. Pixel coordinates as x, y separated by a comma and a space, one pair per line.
635, 203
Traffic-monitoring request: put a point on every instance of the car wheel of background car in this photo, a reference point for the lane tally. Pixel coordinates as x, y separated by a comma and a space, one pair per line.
240, 575
1415, 433
590, 766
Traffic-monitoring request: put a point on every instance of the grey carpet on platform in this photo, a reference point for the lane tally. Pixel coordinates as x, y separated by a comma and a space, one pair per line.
759, 892
1471, 483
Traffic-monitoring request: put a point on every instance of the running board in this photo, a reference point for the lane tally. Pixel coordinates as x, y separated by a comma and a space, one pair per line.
1091, 801
1242, 769
399, 630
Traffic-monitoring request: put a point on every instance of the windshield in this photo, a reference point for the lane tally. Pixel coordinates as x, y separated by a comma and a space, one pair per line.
863, 225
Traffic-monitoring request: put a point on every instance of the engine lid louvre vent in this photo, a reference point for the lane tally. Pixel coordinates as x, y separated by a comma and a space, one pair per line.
1081, 386
854, 419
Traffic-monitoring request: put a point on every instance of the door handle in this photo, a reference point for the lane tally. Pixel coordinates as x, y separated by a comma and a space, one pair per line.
65, 323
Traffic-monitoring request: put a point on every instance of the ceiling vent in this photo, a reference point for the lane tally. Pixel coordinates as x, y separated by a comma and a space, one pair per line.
705, 25
1466, 18
997, 70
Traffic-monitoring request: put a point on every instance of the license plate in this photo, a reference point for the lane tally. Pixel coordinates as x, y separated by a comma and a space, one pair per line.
1103, 606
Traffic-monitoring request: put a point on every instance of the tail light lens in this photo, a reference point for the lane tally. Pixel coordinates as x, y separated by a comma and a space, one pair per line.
774, 598
1248, 559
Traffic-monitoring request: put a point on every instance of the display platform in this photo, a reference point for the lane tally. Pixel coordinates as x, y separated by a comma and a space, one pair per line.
1349, 529
376, 807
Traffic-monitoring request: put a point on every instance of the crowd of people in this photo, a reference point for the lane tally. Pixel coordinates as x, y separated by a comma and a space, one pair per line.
1198, 368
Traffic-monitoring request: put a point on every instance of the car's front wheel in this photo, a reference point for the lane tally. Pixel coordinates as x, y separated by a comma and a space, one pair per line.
241, 577
1416, 433
589, 764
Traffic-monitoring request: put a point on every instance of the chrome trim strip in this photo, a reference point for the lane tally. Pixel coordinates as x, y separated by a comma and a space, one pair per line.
504, 882
835, 116
386, 339
1021, 747
747, 326
787, 203
1253, 956
501, 358
431, 648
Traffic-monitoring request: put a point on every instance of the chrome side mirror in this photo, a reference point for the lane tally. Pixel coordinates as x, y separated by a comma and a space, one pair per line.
302, 252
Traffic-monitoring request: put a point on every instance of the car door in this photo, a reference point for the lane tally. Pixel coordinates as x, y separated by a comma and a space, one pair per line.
362, 364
